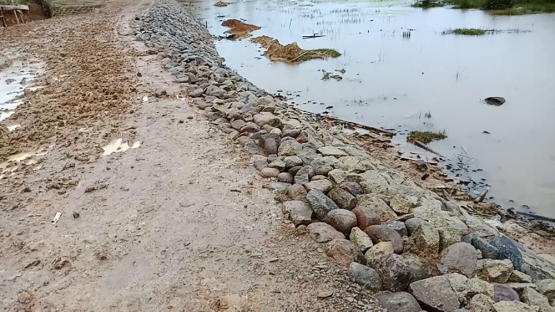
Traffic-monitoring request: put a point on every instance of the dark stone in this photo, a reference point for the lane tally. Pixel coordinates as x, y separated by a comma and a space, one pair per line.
397, 226
487, 249
352, 187
399, 302
508, 250
504, 293
381, 233
343, 198
395, 272
320, 203
342, 220
365, 276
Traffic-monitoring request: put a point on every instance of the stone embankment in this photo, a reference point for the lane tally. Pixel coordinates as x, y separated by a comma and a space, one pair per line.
415, 249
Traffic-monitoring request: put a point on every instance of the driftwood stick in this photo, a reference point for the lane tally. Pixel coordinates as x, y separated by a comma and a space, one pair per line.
482, 196
298, 57
353, 124
536, 216
425, 147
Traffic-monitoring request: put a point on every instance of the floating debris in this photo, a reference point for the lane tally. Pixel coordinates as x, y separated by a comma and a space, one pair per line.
495, 100
221, 4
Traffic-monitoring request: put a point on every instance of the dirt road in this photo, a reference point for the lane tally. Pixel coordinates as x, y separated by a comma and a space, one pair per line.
179, 223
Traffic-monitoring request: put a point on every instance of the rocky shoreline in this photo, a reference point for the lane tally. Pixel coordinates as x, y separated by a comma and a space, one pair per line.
418, 250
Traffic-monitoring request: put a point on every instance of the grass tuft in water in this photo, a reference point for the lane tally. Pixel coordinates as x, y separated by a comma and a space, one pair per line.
465, 31
426, 136
506, 7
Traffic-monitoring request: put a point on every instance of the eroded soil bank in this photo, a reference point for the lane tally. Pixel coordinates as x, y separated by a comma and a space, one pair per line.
233, 200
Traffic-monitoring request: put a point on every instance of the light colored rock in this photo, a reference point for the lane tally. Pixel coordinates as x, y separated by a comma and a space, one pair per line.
513, 306
342, 220
296, 192
477, 286
292, 161
377, 251
267, 118
519, 277
481, 303
286, 177
435, 293
426, 239
496, 271
331, 151
534, 298
366, 277
337, 176
398, 302
277, 164
298, 212
361, 239
356, 164
378, 206
450, 235
289, 148
397, 226
269, 172
344, 252
547, 288
321, 185
381, 233
400, 205
460, 258
259, 162
322, 232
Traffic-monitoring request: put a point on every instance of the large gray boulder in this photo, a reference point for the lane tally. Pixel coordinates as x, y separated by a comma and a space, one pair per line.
323, 232
425, 239
298, 212
344, 252
460, 258
399, 302
508, 250
343, 198
513, 306
435, 294
365, 276
374, 203
320, 203
496, 271
395, 272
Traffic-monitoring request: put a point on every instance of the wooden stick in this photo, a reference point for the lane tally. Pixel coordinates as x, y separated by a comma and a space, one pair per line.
425, 147
482, 196
536, 216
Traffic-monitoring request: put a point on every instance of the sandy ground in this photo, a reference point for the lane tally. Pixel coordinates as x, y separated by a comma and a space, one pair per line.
179, 223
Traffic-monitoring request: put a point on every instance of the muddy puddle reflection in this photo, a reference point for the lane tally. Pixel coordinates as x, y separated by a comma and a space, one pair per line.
393, 81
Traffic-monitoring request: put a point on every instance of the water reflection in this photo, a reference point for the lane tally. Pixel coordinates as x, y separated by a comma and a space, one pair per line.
392, 80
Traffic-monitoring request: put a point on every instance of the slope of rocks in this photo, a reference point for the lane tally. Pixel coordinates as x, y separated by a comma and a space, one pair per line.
420, 251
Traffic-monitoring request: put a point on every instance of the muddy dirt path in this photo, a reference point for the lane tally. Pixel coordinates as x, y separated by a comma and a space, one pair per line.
179, 223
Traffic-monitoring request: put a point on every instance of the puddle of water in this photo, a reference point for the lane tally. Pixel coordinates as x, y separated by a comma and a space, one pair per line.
11, 165
391, 81
13, 80
118, 146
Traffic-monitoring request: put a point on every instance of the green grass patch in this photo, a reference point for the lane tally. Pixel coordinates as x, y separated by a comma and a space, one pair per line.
506, 7
426, 136
465, 31
318, 54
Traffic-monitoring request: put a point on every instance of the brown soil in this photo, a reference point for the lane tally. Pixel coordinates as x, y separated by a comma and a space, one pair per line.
35, 13
291, 53
239, 29
221, 4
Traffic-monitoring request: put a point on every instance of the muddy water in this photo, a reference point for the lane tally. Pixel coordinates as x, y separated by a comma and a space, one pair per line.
13, 81
392, 82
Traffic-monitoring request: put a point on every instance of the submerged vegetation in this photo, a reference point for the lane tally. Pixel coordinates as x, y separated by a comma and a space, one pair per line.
507, 7
465, 31
426, 136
